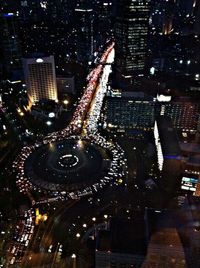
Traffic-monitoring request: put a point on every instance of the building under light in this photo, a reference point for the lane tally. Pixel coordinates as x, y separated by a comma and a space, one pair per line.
126, 113
131, 31
184, 114
40, 78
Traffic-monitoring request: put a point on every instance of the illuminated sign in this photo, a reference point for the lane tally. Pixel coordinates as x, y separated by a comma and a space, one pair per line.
8, 14
189, 184
163, 98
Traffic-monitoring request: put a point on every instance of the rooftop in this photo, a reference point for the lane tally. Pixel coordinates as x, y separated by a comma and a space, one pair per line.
168, 138
124, 236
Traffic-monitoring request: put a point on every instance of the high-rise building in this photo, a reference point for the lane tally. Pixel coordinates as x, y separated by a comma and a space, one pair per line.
135, 110
188, 19
104, 17
184, 114
85, 35
131, 32
124, 114
163, 15
40, 78
10, 56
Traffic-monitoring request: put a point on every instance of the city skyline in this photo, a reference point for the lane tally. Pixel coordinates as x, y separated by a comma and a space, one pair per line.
100, 133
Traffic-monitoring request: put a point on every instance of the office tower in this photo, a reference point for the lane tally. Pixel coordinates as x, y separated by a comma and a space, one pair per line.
188, 19
184, 114
85, 39
104, 17
10, 56
131, 32
163, 15
126, 114
40, 78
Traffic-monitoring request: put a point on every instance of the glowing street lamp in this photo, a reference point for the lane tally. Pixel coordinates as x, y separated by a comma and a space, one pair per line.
66, 102
73, 256
48, 123
78, 235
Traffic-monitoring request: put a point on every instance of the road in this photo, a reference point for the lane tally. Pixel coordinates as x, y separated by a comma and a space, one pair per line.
69, 219
31, 259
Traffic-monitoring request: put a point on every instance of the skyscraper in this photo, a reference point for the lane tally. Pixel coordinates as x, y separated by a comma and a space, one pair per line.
163, 14
40, 78
104, 17
188, 19
131, 32
10, 57
85, 38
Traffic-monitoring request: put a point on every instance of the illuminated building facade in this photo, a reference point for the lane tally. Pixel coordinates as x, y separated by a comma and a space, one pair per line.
129, 113
138, 111
184, 115
40, 78
131, 31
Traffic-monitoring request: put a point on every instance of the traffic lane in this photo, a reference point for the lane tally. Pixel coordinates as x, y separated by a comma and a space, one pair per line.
29, 258
84, 211
59, 225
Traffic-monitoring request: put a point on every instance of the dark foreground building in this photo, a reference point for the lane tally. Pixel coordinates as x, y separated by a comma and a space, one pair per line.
122, 245
169, 154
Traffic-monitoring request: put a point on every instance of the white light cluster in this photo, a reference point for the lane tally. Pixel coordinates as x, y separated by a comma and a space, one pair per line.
158, 147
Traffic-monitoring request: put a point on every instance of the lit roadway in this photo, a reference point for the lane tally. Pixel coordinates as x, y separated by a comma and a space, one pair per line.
85, 124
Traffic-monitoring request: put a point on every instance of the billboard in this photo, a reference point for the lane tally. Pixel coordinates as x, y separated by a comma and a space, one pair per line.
189, 184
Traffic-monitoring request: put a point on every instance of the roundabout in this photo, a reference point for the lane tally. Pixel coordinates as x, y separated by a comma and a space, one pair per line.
77, 160
67, 165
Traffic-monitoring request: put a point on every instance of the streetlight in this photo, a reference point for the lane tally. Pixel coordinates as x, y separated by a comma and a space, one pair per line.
105, 216
73, 256
94, 219
78, 235
66, 102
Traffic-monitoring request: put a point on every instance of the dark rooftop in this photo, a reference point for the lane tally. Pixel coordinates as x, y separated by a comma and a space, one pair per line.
124, 236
